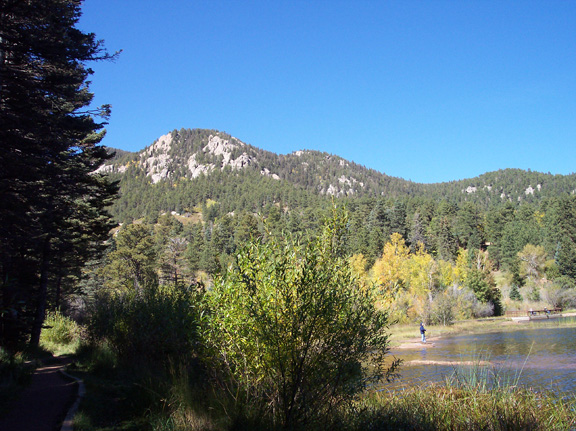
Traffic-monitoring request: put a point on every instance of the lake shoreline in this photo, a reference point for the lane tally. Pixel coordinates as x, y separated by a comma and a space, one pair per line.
538, 355
405, 337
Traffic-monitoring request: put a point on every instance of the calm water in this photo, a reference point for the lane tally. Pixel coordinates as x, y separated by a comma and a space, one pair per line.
538, 356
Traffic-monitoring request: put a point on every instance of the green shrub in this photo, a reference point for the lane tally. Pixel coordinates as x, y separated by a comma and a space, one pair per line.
291, 334
534, 293
442, 310
98, 357
515, 293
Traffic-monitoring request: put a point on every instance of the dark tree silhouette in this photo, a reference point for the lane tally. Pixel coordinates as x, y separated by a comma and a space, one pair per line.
52, 204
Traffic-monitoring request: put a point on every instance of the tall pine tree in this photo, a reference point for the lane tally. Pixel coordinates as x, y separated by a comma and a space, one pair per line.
52, 205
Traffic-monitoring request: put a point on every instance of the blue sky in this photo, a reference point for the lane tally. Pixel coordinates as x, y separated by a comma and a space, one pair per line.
429, 91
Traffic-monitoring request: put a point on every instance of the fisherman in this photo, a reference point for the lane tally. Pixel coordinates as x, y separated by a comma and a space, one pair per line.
423, 332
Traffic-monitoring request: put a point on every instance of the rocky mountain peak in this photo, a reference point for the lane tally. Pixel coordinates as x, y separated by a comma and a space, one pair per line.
165, 156
191, 153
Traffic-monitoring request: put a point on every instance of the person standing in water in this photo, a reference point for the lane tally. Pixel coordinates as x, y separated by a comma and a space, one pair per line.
423, 332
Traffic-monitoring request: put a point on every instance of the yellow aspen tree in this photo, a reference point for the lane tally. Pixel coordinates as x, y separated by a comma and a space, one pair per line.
445, 273
358, 264
387, 272
461, 268
421, 274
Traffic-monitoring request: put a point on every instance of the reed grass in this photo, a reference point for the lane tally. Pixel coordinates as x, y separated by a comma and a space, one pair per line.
480, 396
482, 375
440, 407
436, 407
189, 406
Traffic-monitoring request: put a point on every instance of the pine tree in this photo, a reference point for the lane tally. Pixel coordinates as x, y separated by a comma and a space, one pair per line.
515, 293
51, 203
134, 262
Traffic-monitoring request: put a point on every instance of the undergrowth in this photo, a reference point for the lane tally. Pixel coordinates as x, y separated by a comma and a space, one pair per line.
15, 372
60, 335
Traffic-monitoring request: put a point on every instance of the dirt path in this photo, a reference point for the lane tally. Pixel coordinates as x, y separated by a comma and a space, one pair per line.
42, 406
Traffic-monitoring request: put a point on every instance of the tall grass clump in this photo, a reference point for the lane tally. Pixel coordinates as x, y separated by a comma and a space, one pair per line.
480, 375
61, 334
477, 396
155, 326
134, 339
190, 405
448, 408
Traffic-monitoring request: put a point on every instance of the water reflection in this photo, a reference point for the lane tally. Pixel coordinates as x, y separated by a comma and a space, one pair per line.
542, 357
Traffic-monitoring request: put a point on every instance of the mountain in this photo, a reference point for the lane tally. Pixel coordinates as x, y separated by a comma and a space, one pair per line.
188, 168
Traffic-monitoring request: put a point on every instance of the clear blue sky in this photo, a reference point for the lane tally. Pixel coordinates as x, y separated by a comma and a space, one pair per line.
429, 91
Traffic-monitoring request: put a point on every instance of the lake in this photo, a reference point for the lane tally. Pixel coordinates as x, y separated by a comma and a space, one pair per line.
540, 355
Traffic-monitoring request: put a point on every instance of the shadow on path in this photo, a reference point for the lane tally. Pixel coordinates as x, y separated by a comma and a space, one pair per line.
42, 406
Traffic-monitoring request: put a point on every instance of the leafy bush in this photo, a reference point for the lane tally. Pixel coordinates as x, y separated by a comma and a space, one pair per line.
480, 310
558, 297
290, 332
466, 305
485, 290
534, 293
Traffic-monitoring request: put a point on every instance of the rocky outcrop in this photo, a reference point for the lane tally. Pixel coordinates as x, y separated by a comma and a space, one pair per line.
159, 160
155, 159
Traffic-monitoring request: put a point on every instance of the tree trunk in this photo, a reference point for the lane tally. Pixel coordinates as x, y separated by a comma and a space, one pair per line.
40, 314
58, 292
1, 64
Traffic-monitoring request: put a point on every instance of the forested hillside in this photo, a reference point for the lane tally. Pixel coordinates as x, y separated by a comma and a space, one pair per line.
186, 168
201, 194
